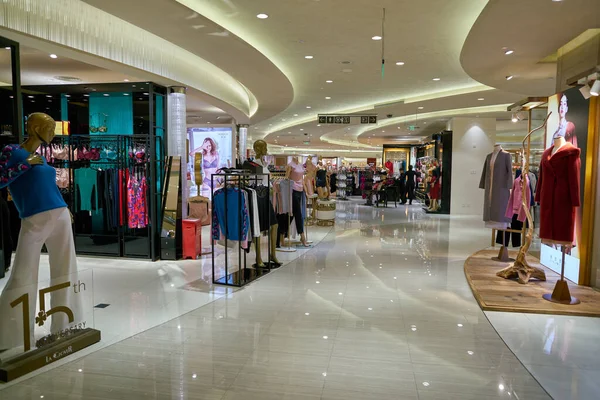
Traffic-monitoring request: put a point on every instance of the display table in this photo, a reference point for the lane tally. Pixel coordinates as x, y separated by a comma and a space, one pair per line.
326, 212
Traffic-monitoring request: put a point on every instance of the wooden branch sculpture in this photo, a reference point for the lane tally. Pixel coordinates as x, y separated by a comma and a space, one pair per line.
520, 269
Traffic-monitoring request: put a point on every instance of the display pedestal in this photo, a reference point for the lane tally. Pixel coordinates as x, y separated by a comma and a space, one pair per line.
561, 294
25, 363
503, 255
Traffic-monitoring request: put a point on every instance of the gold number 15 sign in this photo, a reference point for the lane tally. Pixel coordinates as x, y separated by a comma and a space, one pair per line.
43, 314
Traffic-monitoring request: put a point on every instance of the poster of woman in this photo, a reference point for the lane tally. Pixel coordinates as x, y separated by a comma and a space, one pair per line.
215, 146
569, 119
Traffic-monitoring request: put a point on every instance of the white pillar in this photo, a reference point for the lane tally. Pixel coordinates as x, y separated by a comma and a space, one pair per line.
472, 140
177, 137
242, 142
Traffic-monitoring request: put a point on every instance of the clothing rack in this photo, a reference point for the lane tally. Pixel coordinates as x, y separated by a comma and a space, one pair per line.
243, 275
123, 174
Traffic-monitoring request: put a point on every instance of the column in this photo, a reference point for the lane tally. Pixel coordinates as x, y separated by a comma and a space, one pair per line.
242, 142
472, 140
177, 137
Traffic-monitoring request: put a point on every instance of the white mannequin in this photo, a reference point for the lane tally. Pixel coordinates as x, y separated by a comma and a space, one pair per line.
558, 143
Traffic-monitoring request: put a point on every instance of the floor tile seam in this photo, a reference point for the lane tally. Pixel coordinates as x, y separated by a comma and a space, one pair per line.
515, 355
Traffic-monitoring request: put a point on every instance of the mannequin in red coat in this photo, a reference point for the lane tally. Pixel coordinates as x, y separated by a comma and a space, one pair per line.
558, 192
389, 165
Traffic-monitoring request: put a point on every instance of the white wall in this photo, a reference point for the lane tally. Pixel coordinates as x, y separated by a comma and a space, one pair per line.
472, 140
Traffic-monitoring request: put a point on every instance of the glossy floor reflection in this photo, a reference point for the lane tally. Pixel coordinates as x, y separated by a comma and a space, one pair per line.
380, 309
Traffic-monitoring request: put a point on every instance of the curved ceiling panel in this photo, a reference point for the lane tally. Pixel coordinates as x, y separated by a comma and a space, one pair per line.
79, 26
199, 35
534, 30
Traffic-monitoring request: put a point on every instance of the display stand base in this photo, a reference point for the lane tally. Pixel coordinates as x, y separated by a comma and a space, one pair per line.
503, 255
287, 249
25, 363
561, 294
241, 278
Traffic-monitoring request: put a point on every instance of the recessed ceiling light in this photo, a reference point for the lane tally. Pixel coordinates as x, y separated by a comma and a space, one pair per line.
262, 16
49, 95
481, 99
327, 98
309, 57
86, 95
301, 129
308, 107
125, 94
329, 81
145, 94
67, 95
53, 56
31, 97
400, 63
7, 48
436, 79
125, 80
420, 108
509, 52
295, 115
508, 78
106, 94
376, 38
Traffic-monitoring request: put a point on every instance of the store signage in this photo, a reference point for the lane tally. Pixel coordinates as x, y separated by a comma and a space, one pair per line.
342, 119
53, 345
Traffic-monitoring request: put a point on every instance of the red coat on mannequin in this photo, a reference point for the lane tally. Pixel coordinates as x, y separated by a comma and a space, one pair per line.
558, 193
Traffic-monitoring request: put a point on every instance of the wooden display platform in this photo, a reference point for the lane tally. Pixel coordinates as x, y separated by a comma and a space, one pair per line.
498, 294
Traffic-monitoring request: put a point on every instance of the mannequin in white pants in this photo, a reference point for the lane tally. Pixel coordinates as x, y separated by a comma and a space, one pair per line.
45, 219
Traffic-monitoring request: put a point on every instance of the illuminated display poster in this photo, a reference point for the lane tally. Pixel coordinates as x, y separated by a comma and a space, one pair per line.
569, 119
216, 148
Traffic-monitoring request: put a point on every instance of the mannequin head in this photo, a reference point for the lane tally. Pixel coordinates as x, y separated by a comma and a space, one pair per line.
41, 126
260, 148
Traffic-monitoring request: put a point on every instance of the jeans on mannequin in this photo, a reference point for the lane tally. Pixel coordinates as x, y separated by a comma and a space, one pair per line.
53, 228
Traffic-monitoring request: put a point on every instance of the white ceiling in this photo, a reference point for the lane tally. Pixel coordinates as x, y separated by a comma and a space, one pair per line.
460, 42
37, 68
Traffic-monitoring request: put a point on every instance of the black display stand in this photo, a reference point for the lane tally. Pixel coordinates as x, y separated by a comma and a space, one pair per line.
243, 275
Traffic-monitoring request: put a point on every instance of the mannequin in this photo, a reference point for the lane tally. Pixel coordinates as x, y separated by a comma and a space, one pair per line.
260, 149
322, 189
309, 178
558, 193
45, 220
496, 180
434, 193
295, 172
389, 165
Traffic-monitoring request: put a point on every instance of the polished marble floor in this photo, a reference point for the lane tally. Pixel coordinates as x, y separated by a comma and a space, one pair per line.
378, 309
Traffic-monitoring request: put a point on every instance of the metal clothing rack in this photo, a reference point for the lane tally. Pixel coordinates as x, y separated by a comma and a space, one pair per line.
121, 241
243, 275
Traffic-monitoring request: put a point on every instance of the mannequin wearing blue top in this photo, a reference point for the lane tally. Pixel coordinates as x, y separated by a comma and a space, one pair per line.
45, 220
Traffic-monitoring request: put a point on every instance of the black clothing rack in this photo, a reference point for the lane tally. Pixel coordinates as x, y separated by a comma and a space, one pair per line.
116, 239
243, 275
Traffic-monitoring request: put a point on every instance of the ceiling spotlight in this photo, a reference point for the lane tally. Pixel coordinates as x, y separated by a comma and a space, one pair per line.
595, 90
295, 115
327, 98
509, 52
376, 38
7, 48
308, 107
125, 80
53, 56
400, 63
262, 16
481, 99
509, 77
329, 81
436, 79
106, 94
514, 118
309, 57
420, 108
31, 97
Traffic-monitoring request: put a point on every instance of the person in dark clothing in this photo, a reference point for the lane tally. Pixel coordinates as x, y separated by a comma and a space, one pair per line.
410, 184
402, 186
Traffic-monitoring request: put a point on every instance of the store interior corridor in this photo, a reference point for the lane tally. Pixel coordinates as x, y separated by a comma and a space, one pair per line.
379, 308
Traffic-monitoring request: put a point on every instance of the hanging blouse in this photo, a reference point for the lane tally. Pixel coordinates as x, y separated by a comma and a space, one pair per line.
136, 202
233, 224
